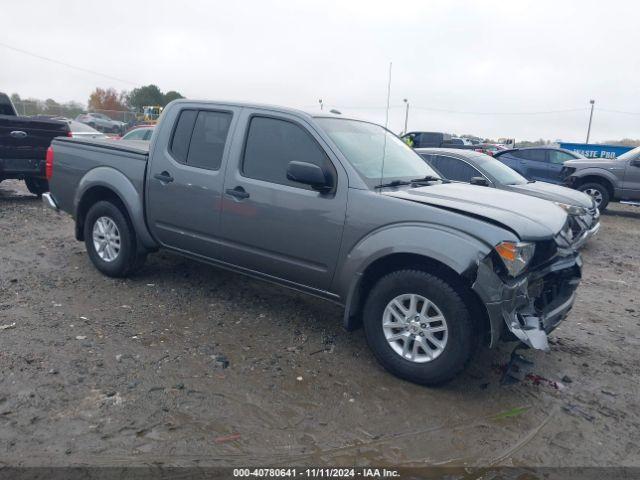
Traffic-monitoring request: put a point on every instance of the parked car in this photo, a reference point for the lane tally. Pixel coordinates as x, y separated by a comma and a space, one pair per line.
435, 139
606, 180
142, 132
538, 163
23, 146
338, 208
480, 169
489, 148
101, 122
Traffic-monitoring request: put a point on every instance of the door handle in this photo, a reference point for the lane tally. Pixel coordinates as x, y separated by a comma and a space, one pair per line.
238, 193
18, 134
164, 177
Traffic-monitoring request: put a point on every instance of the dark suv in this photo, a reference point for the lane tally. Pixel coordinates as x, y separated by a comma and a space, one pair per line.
538, 163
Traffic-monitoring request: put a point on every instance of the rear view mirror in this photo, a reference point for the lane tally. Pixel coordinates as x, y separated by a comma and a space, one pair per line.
481, 181
309, 174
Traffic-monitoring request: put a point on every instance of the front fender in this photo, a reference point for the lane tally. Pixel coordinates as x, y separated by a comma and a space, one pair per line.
609, 175
120, 185
453, 248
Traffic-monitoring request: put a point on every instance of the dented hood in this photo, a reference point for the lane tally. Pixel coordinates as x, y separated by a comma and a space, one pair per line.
528, 217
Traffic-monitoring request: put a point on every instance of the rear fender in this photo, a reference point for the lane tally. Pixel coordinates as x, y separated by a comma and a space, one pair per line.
115, 181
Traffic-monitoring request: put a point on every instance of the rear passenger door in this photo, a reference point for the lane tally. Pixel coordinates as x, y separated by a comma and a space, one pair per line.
275, 226
534, 163
185, 179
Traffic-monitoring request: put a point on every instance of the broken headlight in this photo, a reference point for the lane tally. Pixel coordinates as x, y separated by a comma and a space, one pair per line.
515, 256
572, 209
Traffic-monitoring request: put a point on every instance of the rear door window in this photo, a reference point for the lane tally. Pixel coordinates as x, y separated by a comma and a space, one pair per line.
208, 139
182, 135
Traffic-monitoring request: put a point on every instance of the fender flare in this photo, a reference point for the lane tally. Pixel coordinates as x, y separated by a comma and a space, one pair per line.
453, 248
123, 188
598, 172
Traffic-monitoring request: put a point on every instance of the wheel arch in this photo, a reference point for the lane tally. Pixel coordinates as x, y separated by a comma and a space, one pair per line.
104, 183
602, 179
460, 281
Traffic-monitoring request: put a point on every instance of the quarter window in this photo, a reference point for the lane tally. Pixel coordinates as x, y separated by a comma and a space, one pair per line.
182, 135
272, 144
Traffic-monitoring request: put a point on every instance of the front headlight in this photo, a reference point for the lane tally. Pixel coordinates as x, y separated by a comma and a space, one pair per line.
572, 209
515, 256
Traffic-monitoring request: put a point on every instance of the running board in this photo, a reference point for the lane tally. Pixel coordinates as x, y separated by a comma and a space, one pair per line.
630, 202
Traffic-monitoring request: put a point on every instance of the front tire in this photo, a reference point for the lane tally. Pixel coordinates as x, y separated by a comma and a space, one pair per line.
111, 241
37, 186
598, 192
418, 327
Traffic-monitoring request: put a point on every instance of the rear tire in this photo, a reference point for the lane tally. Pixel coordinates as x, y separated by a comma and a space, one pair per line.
37, 186
598, 192
444, 347
111, 241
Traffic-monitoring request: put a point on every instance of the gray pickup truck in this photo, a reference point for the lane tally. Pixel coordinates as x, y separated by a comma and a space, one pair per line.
606, 180
335, 207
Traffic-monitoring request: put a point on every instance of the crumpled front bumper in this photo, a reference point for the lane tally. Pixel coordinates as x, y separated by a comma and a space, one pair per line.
584, 227
532, 306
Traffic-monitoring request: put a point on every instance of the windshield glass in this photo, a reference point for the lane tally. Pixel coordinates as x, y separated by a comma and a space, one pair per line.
630, 154
502, 173
365, 145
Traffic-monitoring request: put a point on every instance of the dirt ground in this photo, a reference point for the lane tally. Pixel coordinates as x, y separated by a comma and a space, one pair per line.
185, 364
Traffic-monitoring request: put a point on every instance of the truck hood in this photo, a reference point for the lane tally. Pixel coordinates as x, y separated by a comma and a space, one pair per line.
590, 162
553, 193
528, 217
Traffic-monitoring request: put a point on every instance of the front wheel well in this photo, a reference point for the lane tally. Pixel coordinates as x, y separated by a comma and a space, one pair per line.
401, 261
92, 196
596, 179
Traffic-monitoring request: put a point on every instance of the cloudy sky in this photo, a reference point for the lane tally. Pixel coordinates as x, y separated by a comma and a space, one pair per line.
523, 69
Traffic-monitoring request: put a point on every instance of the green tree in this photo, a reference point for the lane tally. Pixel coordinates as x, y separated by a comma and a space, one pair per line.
170, 96
149, 95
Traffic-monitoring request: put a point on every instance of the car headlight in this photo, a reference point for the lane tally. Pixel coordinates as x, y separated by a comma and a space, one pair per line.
572, 209
515, 256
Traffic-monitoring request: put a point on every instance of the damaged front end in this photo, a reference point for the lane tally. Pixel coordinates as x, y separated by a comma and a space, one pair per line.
534, 303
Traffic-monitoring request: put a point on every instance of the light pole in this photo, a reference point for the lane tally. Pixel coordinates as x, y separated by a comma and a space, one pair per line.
320, 102
590, 119
406, 114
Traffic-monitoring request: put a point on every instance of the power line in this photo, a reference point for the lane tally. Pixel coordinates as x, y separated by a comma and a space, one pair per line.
616, 111
68, 65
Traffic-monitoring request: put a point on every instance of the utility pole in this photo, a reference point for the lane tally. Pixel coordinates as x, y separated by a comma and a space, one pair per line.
320, 102
590, 119
406, 114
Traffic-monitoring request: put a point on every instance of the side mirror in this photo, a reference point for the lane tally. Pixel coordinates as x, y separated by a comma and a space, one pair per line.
635, 162
309, 174
481, 181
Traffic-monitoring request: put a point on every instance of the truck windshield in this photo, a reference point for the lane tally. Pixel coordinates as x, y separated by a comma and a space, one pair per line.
365, 145
630, 154
502, 173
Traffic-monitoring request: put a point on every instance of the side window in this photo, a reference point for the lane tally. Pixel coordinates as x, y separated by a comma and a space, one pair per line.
454, 169
208, 140
182, 135
559, 157
135, 135
272, 144
147, 134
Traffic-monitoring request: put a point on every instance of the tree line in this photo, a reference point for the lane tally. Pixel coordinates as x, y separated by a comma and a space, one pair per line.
107, 100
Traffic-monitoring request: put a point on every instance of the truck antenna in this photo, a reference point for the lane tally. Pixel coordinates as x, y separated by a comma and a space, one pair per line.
386, 123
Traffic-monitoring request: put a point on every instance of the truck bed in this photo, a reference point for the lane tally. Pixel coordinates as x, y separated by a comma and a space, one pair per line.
131, 146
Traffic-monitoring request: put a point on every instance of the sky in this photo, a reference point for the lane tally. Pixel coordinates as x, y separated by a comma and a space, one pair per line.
494, 68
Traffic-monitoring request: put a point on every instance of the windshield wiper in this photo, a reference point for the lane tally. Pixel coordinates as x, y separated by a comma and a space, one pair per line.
429, 178
395, 183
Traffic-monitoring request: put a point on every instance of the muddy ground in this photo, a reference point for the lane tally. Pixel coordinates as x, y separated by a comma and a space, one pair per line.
185, 364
